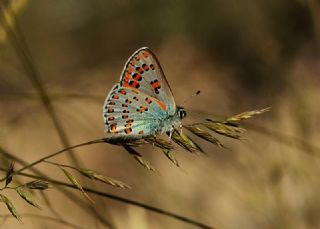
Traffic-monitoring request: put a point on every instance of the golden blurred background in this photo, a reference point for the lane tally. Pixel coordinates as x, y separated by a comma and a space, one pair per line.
242, 55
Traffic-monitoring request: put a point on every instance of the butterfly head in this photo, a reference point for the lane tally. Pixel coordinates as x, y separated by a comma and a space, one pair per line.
181, 112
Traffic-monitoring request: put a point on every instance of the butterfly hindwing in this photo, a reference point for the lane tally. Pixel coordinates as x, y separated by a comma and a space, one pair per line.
143, 72
130, 113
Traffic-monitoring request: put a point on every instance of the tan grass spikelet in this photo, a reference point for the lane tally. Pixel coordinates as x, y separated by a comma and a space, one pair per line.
139, 158
107, 180
247, 114
185, 142
37, 184
227, 129
26, 196
170, 155
10, 207
204, 135
9, 174
75, 182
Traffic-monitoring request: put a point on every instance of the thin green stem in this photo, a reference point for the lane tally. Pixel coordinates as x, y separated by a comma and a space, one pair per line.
60, 165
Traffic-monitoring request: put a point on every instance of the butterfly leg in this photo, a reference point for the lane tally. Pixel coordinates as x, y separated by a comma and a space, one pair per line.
170, 133
180, 129
154, 141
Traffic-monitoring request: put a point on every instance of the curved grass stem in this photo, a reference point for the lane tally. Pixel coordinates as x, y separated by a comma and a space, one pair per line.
101, 140
123, 200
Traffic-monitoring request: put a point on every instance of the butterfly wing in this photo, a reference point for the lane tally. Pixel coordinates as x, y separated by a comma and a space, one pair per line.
143, 72
131, 114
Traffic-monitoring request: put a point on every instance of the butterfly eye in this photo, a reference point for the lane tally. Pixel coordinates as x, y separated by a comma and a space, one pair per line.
182, 113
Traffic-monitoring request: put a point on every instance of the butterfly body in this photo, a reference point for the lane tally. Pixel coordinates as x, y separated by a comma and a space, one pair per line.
141, 104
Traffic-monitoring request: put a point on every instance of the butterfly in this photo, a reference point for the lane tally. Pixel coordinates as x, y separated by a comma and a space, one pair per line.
141, 104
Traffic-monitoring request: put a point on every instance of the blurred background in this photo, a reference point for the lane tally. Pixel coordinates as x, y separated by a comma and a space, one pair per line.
241, 55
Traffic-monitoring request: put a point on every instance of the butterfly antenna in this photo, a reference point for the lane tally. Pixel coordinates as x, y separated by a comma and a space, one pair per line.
188, 99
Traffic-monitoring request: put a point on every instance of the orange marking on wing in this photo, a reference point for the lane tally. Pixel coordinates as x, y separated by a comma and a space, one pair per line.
145, 67
148, 100
156, 84
137, 77
114, 128
140, 70
135, 91
127, 77
128, 130
123, 92
145, 54
141, 132
161, 105
142, 109
135, 84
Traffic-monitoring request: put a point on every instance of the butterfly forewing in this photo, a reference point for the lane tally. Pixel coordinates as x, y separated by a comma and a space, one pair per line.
144, 73
137, 106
